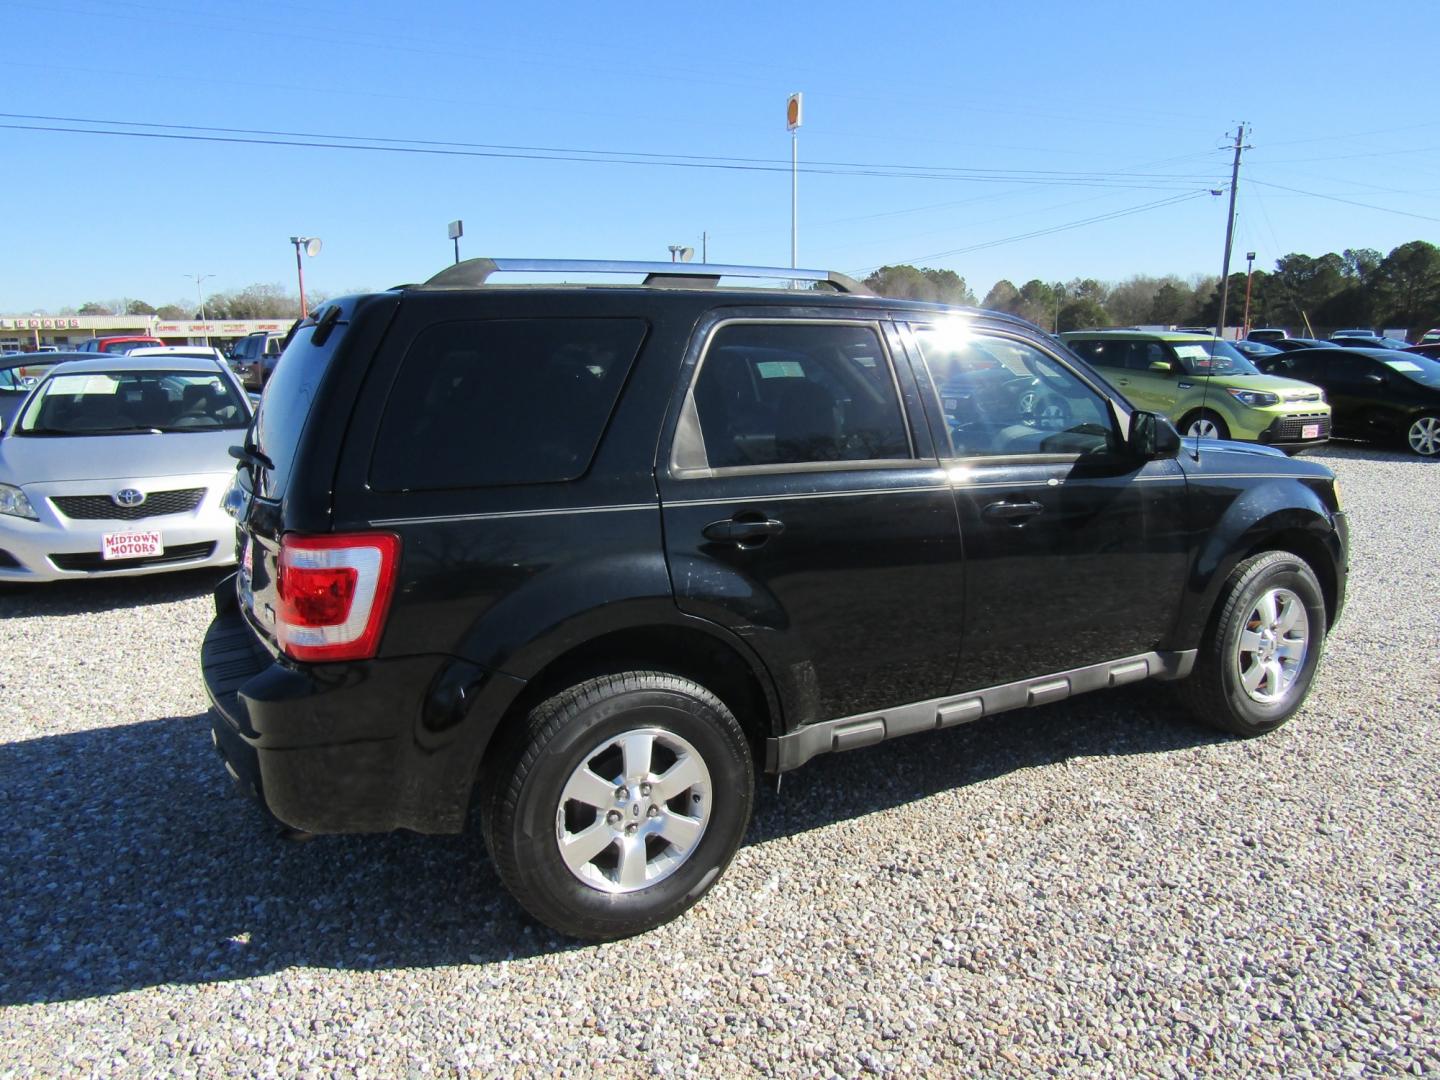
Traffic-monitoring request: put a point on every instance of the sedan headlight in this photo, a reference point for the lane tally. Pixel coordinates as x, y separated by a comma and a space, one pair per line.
1256, 399
14, 502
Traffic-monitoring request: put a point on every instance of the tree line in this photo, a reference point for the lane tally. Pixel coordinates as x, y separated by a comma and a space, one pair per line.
256, 301
1356, 288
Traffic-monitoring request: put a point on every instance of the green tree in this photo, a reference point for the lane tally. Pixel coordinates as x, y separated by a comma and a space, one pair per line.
95, 307
906, 282
138, 307
1003, 296
1408, 286
1082, 314
174, 311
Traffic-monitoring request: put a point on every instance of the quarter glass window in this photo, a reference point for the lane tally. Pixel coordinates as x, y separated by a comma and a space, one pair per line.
505, 401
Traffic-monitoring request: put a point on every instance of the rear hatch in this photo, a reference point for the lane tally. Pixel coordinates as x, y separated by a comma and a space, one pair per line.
287, 464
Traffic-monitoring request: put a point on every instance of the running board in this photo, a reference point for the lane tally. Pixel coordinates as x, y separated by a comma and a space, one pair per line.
849, 732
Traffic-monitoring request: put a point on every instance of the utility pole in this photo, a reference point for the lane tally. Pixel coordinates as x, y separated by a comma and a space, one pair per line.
704, 247
200, 299
1230, 231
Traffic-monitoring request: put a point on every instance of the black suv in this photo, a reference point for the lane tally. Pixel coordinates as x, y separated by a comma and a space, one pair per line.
591, 557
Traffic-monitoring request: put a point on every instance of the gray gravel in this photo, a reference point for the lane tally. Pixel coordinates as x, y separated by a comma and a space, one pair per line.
1098, 887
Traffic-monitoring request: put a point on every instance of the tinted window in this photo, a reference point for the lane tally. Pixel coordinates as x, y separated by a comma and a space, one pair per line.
280, 419
1000, 396
773, 394
507, 401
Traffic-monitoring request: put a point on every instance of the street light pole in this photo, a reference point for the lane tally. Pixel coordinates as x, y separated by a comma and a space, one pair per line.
198, 278
1249, 272
311, 244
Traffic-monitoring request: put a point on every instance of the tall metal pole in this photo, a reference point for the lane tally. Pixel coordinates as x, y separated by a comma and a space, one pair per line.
457, 249
794, 197
198, 278
704, 247
300, 273
1229, 233
1249, 273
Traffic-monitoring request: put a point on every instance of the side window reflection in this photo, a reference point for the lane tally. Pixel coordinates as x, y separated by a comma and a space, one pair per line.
1000, 396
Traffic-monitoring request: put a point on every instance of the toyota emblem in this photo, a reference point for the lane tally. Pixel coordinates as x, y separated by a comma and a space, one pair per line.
128, 497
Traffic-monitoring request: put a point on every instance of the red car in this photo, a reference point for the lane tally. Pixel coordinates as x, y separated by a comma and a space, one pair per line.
122, 343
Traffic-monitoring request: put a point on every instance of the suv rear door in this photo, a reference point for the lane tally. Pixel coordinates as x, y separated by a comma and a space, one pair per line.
804, 510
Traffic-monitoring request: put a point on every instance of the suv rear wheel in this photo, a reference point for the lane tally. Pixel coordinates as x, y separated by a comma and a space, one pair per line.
620, 803
1261, 650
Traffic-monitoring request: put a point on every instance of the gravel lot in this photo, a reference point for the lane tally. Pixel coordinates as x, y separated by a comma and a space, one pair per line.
1098, 887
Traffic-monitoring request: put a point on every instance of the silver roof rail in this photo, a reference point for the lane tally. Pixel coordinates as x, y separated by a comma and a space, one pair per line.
473, 273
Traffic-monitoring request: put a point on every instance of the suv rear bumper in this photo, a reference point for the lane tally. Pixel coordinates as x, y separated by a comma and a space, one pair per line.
348, 748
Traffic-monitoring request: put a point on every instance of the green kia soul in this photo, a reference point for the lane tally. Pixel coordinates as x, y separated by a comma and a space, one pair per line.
1207, 387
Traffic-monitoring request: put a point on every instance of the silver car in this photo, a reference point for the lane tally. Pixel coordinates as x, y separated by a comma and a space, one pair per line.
117, 466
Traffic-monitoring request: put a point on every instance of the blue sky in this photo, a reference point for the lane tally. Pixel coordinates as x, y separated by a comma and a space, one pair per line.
1060, 112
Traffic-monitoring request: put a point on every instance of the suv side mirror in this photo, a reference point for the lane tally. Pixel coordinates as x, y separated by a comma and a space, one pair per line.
1153, 437
1163, 367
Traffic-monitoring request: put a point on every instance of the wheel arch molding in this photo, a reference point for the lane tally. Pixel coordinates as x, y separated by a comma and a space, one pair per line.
1303, 525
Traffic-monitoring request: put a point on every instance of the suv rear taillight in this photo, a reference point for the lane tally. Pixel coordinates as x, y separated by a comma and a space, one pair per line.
334, 594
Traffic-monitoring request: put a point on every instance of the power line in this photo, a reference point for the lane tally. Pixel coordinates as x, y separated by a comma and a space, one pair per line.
326, 140
1172, 200
1348, 202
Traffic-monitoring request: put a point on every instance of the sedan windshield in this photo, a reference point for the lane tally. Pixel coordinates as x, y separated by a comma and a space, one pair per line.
1212, 358
127, 402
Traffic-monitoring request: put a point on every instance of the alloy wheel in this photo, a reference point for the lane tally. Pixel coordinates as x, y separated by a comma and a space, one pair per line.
1424, 436
633, 811
1272, 647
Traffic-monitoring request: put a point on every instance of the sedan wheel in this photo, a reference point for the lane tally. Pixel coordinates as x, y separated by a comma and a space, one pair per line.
1424, 436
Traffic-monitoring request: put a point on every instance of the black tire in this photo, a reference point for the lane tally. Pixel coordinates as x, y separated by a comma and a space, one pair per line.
526, 814
1214, 692
1222, 429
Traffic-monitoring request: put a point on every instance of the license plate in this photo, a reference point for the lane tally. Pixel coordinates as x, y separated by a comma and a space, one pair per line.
131, 545
1310, 431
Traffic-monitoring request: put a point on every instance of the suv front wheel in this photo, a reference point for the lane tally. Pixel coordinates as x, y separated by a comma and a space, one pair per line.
620, 803
1260, 652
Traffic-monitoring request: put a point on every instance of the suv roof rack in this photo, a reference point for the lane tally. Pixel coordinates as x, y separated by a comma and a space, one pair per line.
473, 273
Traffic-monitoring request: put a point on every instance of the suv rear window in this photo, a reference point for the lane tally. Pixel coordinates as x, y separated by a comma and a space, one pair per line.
503, 401
280, 419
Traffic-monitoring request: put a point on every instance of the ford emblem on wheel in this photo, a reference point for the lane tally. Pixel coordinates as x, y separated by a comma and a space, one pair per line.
128, 497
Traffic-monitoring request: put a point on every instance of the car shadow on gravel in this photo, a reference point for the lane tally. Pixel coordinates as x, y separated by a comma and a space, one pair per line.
95, 595
126, 863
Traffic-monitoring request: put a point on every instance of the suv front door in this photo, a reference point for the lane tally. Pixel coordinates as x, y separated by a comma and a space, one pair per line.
806, 512
1076, 553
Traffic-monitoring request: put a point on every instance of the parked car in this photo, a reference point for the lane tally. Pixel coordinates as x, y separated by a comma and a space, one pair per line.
192, 352
1253, 350
1366, 339
1206, 387
117, 343
1430, 337
595, 557
18, 376
1268, 334
1431, 350
1294, 343
254, 358
1376, 394
114, 469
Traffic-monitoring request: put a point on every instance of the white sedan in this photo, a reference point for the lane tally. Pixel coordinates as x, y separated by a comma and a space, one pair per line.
117, 466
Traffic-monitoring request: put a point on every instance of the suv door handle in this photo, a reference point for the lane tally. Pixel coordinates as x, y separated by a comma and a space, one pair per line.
744, 530
1014, 513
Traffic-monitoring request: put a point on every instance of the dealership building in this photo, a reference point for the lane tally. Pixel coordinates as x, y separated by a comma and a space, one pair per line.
29, 332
